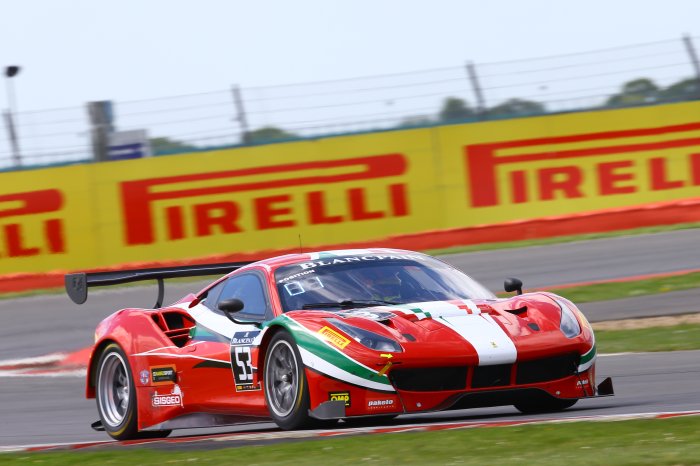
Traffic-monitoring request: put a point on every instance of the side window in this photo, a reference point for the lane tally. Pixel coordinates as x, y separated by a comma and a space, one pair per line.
213, 296
249, 289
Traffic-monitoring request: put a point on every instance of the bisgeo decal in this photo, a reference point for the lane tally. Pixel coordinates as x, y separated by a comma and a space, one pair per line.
174, 398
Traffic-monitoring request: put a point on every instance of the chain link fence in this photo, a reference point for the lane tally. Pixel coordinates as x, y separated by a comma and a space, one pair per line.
641, 74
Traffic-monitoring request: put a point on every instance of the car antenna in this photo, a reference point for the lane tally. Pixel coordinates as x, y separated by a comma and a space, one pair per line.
301, 249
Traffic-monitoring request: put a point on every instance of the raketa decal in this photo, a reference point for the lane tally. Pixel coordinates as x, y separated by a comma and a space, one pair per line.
380, 403
244, 338
340, 396
174, 398
243, 370
163, 375
144, 377
334, 337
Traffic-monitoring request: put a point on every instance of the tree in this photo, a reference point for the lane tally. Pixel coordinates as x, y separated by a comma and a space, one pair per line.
267, 134
454, 108
636, 92
682, 90
165, 145
517, 107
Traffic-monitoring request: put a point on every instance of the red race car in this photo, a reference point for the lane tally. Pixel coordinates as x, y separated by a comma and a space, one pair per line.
307, 339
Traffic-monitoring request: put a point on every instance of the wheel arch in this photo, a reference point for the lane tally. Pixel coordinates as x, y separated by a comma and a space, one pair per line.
92, 365
265, 344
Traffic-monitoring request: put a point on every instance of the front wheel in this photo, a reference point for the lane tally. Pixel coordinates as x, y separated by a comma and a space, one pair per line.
286, 388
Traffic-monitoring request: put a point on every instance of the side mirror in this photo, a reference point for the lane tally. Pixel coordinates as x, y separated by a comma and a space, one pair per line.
513, 284
231, 306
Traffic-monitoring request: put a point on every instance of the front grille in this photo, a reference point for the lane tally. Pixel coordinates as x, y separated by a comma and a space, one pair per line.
491, 376
544, 370
433, 379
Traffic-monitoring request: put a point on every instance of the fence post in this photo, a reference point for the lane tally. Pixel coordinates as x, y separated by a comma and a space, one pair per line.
12, 136
480, 101
693, 56
100, 114
240, 114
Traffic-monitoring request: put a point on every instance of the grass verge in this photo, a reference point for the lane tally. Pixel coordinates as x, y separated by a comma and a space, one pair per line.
562, 239
673, 338
636, 442
619, 290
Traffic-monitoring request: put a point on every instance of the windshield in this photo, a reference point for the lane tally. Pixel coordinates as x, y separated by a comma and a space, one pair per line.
372, 279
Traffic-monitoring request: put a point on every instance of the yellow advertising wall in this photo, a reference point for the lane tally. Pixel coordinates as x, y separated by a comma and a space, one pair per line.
346, 189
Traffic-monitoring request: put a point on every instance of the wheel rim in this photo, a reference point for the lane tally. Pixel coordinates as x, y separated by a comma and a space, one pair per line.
113, 389
282, 378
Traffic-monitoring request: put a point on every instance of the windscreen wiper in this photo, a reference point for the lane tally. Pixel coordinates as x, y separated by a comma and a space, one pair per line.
349, 304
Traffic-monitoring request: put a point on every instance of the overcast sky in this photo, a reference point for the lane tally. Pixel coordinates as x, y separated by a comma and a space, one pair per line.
80, 50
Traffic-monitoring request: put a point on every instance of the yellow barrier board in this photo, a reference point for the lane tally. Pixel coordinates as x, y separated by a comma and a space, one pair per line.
346, 189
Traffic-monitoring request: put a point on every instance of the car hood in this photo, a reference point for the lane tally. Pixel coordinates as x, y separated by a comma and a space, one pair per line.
484, 332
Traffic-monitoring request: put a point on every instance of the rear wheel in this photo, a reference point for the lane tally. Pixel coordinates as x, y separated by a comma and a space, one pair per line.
543, 404
286, 388
116, 397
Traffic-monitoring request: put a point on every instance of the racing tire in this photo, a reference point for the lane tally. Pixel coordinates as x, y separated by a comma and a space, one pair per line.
116, 397
543, 404
286, 387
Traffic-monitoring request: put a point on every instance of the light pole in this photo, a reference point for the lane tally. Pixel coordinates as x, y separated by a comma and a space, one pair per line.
11, 72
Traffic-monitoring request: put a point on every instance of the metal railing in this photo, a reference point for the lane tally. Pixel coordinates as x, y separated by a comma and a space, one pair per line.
479, 91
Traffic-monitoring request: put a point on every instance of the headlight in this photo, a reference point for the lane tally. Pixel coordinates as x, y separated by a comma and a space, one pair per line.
366, 338
569, 325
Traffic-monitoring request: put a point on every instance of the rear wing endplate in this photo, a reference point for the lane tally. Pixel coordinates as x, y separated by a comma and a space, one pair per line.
77, 284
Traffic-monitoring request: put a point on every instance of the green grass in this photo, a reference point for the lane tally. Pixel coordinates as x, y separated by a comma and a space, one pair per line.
562, 239
619, 290
673, 338
636, 442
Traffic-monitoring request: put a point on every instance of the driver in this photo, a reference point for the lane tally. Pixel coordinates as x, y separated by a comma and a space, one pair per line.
381, 285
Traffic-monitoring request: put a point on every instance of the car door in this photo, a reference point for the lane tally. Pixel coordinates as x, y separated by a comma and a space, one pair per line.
234, 383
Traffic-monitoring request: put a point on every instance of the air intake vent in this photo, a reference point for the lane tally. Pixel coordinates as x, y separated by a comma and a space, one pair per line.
433, 379
491, 376
544, 370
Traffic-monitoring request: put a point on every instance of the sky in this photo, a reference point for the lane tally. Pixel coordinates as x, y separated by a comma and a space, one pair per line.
76, 51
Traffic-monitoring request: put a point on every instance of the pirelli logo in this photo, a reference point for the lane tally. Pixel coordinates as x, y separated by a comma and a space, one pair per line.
334, 337
31, 223
543, 169
209, 203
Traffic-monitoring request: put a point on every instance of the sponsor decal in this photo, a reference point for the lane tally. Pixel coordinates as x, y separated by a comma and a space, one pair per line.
334, 337
144, 377
580, 383
32, 223
163, 375
244, 338
340, 396
627, 169
380, 403
242, 365
239, 201
365, 258
174, 398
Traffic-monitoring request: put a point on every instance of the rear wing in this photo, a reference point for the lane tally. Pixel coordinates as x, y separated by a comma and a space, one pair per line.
77, 284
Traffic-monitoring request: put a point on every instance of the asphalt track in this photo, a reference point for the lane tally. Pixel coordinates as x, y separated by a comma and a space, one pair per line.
43, 411
48, 410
